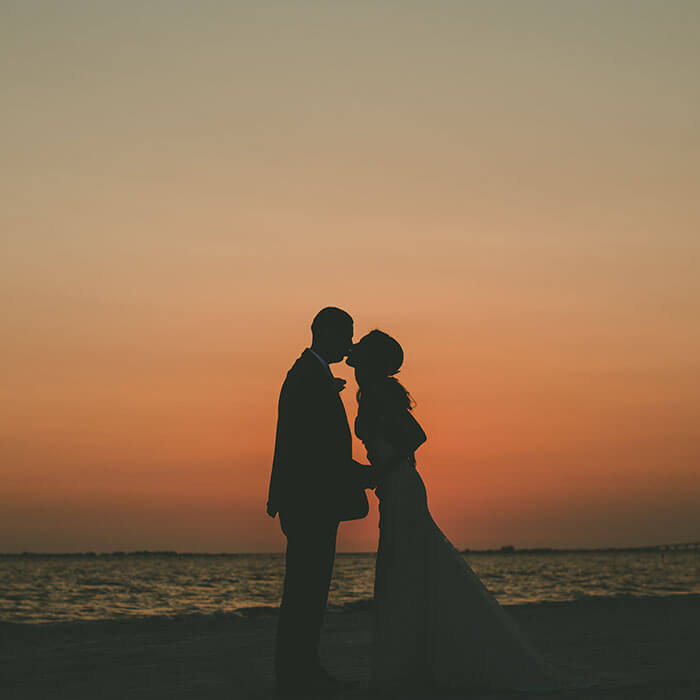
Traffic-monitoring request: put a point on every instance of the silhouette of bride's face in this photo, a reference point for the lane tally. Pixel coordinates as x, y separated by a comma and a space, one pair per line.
361, 355
355, 354
376, 353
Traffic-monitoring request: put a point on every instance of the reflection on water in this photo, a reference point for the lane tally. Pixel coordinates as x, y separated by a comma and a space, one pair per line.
46, 589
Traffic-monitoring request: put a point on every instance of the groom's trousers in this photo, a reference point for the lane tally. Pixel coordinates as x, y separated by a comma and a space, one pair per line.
308, 570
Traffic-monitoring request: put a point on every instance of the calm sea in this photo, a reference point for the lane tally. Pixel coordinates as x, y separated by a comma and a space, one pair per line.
49, 589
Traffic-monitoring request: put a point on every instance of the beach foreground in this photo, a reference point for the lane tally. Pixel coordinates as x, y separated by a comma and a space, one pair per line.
636, 648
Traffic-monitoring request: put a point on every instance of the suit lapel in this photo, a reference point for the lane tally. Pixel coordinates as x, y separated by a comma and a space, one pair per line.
326, 385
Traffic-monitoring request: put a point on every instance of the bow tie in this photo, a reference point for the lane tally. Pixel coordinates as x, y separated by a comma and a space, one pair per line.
338, 383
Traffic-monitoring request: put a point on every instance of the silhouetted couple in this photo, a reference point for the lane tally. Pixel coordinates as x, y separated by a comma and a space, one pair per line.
434, 623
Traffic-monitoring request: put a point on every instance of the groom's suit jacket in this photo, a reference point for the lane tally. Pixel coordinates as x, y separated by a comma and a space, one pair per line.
312, 468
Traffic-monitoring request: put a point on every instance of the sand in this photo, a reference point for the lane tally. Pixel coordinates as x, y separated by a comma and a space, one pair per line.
637, 648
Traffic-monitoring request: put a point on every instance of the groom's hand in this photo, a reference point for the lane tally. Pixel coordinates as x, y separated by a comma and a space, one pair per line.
368, 479
381, 471
371, 482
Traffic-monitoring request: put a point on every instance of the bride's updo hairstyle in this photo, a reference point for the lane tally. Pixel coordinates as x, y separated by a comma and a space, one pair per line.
377, 357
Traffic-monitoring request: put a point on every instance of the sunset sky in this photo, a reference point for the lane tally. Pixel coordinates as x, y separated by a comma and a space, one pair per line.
511, 189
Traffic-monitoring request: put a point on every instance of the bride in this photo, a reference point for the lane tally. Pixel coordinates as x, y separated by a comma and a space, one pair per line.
435, 624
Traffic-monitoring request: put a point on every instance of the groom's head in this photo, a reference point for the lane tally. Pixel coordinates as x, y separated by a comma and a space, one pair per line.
332, 330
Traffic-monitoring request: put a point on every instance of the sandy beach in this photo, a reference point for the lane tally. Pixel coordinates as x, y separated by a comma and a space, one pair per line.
636, 648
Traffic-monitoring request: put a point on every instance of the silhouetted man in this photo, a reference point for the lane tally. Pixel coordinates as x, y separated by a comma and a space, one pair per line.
314, 485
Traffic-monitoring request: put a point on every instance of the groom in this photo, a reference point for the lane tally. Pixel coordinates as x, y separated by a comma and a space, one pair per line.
315, 484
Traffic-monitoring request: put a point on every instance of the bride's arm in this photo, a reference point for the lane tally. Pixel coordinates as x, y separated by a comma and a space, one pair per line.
384, 457
394, 436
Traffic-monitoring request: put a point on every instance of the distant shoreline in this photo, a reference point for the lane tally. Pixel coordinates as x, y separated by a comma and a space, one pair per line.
508, 549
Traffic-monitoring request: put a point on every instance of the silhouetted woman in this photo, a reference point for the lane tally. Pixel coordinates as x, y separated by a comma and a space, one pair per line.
435, 625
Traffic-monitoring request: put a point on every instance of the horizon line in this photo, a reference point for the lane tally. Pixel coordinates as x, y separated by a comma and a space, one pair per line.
506, 549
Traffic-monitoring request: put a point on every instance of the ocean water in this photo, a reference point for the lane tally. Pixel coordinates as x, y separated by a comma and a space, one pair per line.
53, 589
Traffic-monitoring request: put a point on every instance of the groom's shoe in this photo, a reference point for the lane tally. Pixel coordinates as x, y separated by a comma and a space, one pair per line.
320, 684
315, 682
314, 688
323, 683
292, 688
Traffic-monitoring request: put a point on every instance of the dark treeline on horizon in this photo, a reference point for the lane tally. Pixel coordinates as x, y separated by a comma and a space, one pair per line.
507, 549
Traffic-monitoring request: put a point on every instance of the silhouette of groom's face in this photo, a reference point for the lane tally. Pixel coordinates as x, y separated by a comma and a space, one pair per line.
340, 342
335, 341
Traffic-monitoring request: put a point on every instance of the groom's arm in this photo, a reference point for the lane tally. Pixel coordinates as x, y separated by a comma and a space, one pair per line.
285, 450
364, 475
293, 468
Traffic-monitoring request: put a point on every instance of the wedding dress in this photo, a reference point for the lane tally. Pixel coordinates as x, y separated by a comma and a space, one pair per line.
435, 624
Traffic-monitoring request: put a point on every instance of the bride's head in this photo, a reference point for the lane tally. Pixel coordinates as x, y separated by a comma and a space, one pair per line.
376, 358
376, 355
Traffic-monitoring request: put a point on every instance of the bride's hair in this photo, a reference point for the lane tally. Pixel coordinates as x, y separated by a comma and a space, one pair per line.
377, 357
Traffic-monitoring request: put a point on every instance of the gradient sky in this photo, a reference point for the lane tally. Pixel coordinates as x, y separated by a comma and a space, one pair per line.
509, 188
